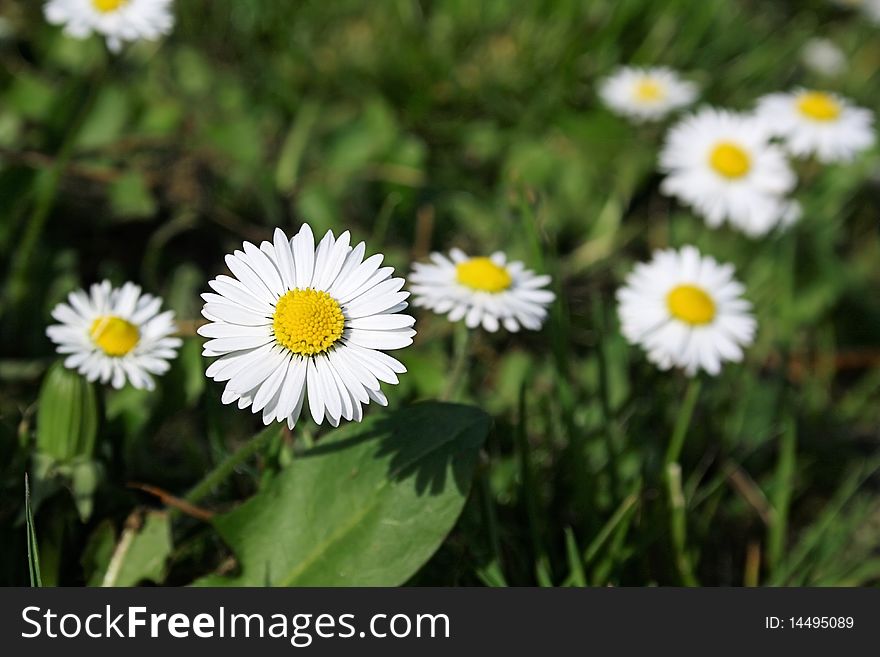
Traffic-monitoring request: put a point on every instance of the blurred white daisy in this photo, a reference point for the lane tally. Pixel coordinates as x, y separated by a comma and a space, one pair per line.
723, 165
117, 21
686, 310
823, 57
488, 291
646, 94
818, 123
296, 322
115, 334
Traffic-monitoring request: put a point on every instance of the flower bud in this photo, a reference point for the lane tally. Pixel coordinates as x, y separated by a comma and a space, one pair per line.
67, 416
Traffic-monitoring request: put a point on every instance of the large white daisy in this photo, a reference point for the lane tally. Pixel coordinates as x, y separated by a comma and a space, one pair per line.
723, 165
646, 94
686, 310
296, 322
117, 21
115, 334
818, 123
488, 291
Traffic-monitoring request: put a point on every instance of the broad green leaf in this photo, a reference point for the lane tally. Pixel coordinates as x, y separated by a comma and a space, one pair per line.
366, 507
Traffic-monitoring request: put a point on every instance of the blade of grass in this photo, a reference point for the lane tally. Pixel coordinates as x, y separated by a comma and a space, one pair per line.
542, 572
616, 553
492, 576
529, 492
33, 551
825, 522
620, 517
577, 576
782, 493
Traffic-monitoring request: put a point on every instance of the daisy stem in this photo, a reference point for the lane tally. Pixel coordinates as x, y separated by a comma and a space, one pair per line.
682, 422
678, 524
672, 478
230, 463
462, 341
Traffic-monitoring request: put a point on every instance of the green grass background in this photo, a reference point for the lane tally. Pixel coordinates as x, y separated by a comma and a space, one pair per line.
470, 123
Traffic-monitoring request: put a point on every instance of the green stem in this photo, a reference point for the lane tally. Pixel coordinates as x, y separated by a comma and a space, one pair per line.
228, 466
682, 422
674, 493
461, 351
678, 524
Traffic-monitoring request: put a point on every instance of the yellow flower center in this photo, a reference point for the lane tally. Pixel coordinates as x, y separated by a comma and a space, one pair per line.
483, 275
307, 321
107, 6
818, 106
647, 90
114, 335
691, 304
730, 160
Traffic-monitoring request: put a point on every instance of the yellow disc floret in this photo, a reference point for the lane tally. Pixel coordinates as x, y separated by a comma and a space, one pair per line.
691, 304
114, 335
730, 160
647, 90
108, 6
483, 275
818, 106
307, 321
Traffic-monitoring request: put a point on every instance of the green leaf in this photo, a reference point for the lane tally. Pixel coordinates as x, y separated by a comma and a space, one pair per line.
141, 552
30, 95
366, 507
32, 549
107, 119
131, 197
